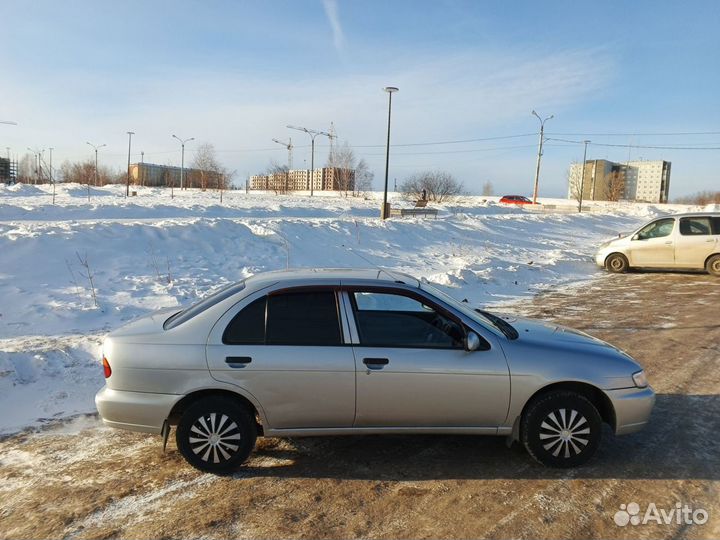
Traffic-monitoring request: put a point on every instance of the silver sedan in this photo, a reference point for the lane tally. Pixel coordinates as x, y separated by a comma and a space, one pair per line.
341, 352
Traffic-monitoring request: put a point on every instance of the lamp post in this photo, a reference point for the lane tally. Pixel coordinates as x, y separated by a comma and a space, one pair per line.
127, 187
384, 214
52, 180
36, 155
539, 156
96, 147
582, 178
182, 158
313, 133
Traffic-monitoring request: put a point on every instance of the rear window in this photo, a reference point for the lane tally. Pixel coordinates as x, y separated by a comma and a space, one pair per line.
202, 305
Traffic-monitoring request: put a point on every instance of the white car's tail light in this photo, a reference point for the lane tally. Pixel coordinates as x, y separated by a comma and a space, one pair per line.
106, 367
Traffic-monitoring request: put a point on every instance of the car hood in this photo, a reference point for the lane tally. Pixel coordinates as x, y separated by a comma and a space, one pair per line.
150, 324
543, 331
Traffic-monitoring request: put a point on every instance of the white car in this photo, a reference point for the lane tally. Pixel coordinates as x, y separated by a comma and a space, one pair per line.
682, 241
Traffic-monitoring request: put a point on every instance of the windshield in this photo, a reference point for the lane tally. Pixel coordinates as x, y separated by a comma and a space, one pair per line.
483, 317
202, 305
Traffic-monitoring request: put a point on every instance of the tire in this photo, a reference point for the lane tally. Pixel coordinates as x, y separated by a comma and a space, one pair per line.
713, 265
546, 441
216, 434
617, 263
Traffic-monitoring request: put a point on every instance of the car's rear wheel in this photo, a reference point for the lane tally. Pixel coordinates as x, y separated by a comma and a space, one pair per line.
561, 429
713, 265
216, 434
617, 263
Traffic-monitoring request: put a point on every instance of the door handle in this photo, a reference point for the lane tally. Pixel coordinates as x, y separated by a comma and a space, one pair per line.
238, 361
710, 240
669, 242
375, 363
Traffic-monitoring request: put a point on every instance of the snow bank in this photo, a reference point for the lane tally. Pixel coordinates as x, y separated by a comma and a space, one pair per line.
150, 252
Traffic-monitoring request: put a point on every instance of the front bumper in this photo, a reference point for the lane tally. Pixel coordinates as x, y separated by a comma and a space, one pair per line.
632, 408
600, 257
134, 411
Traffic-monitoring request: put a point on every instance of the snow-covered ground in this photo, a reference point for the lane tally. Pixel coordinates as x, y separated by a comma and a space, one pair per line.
151, 251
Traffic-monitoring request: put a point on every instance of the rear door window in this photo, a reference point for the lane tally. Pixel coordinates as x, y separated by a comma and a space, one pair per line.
695, 226
715, 223
303, 318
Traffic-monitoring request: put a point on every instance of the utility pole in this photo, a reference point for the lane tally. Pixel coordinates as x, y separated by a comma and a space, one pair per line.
384, 213
539, 156
96, 147
182, 158
52, 179
289, 146
142, 168
313, 133
127, 188
582, 178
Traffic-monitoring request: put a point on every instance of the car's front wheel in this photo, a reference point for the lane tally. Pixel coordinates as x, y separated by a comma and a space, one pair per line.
617, 263
216, 434
561, 429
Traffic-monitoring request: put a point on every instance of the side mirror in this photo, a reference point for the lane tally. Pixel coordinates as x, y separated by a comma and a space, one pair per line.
472, 341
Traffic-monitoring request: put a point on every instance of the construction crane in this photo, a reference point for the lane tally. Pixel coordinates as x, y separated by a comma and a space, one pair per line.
289, 146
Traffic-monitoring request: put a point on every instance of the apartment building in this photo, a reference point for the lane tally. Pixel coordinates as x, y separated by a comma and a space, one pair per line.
323, 179
646, 181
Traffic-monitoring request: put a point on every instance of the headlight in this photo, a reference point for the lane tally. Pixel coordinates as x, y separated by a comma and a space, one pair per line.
640, 379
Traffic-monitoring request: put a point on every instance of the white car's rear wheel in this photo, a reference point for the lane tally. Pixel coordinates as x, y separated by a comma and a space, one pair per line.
216, 434
713, 265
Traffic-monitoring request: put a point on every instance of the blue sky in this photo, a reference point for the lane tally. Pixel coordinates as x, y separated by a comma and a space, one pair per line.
236, 73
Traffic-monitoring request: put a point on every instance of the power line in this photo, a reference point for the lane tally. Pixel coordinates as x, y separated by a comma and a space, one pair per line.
647, 146
659, 134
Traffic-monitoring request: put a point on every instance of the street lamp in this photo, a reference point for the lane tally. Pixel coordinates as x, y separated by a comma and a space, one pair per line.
127, 188
182, 159
96, 147
582, 178
36, 155
384, 214
540, 146
313, 133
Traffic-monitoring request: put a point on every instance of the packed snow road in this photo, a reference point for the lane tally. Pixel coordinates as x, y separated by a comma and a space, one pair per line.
81, 480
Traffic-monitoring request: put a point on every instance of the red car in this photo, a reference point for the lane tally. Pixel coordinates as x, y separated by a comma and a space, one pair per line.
516, 199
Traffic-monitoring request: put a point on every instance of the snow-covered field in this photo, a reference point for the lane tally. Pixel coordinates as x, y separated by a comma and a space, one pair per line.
151, 251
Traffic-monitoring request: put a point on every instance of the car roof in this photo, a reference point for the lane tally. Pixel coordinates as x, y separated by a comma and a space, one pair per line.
310, 275
688, 214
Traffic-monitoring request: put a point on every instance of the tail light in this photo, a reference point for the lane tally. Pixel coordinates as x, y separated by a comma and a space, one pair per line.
106, 368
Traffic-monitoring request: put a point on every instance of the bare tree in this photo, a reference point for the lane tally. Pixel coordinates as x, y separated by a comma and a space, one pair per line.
701, 198
438, 186
278, 178
83, 172
487, 188
574, 186
363, 179
342, 162
206, 165
615, 188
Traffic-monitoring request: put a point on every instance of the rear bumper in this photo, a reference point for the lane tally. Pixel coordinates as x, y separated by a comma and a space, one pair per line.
632, 408
134, 411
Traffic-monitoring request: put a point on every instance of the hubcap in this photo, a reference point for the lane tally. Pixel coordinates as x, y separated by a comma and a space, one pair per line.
616, 263
716, 265
214, 438
565, 432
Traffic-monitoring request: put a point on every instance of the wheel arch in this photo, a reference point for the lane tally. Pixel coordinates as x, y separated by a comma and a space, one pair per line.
596, 396
187, 400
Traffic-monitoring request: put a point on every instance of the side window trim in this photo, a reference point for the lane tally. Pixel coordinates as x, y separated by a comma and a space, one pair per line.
348, 318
